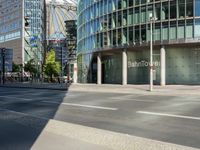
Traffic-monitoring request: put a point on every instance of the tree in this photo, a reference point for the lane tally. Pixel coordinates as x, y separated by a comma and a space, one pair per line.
51, 68
15, 67
31, 67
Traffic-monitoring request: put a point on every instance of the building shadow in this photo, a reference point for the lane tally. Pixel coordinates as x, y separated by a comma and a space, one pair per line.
24, 113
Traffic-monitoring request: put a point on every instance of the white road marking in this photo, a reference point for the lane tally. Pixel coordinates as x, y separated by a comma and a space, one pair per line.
80, 105
168, 115
132, 99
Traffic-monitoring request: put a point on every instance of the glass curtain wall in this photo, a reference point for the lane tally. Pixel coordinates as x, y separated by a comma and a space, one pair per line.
34, 11
113, 23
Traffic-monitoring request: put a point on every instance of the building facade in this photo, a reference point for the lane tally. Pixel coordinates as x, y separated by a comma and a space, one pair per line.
114, 41
20, 21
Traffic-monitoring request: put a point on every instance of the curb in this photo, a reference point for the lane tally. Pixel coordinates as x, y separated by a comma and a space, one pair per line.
35, 87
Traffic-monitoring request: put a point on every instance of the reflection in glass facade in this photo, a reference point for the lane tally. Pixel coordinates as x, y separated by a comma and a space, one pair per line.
34, 11
114, 25
13, 33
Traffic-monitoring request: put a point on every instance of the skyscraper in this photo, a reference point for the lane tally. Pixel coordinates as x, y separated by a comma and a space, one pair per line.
22, 26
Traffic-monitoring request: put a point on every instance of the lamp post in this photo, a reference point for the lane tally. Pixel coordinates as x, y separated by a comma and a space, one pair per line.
3, 63
152, 20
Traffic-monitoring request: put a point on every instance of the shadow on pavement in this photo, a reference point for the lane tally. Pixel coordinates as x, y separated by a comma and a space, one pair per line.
24, 113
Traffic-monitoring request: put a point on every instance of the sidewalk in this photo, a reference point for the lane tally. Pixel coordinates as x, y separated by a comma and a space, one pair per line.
138, 89
53, 86
66, 136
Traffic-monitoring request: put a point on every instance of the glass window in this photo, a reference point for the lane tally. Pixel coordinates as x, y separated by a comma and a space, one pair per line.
109, 21
189, 28
124, 3
165, 11
105, 6
125, 17
105, 38
124, 37
189, 8
143, 33
119, 4
110, 38
157, 9
109, 5
130, 16
130, 3
165, 30
157, 32
119, 37
143, 14
150, 11
101, 40
130, 35
114, 5
137, 34
181, 29
181, 8
143, 1
172, 9
197, 28
172, 34
114, 20
137, 18
197, 6
119, 19
137, 2
114, 37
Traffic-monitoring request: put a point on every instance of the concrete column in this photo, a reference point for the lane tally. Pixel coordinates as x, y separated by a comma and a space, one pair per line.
99, 69
162, 67
124, 67
75, 74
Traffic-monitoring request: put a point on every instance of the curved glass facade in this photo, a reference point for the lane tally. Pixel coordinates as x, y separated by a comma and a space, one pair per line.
125, 24
111, 23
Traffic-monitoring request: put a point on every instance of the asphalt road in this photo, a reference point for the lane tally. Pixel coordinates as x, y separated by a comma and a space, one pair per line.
25, 112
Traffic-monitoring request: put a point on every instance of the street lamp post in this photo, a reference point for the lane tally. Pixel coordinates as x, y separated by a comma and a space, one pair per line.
3, 63
152, 19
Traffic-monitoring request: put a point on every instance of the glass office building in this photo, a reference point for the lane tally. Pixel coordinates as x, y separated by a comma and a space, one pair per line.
16, 34
114, 41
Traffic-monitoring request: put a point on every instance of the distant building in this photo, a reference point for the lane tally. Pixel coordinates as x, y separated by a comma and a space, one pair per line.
21, 21
8, 60
71, 42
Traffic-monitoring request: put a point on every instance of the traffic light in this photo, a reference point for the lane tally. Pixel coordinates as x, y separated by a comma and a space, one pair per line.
26, 23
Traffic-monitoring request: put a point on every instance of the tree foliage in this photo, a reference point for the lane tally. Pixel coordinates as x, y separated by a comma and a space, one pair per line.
51, 68
15, 67
30, 67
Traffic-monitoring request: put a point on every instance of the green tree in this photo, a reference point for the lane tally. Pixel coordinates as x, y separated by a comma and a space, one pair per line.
51, 68
15, 67
30, 67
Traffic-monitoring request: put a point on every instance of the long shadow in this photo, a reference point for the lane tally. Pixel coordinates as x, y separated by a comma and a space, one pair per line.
24, 113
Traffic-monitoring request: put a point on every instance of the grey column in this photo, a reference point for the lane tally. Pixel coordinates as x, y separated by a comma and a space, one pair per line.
99, 69
124, 67
75, 74
162, 67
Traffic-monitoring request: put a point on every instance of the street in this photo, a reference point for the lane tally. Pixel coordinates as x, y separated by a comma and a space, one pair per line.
168, 118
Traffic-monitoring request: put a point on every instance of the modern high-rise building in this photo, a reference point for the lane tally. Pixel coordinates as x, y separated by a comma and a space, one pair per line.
22, 28
114, 41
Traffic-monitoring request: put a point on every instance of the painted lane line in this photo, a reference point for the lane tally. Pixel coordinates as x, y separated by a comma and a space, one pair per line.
130, 99
168, 115
80, 105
